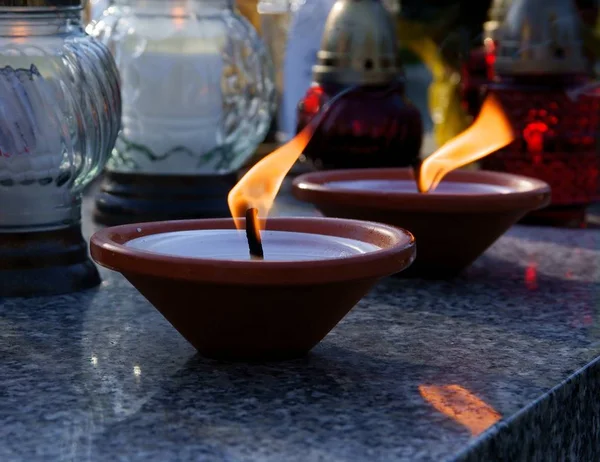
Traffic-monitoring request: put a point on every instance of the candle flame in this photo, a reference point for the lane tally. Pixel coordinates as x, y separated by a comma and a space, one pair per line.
461, 405
489, 132
260, 185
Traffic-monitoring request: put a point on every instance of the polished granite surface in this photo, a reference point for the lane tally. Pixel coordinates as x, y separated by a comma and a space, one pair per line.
417, 371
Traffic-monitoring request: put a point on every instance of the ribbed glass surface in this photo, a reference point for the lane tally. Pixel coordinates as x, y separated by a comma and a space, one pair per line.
59, 117
198, 90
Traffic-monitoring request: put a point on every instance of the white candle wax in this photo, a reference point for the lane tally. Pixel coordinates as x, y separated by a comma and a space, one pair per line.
231, 244
35, 146
172, 101
409, 186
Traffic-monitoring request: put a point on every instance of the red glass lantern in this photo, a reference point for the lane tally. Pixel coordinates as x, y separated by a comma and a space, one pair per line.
541, 77
557, 142
375, 125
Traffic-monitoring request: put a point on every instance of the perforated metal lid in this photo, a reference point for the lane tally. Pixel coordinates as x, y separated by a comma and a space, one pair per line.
540, 37
358, 45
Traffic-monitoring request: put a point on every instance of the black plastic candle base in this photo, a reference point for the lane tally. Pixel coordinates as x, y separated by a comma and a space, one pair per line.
45, 263
134, 198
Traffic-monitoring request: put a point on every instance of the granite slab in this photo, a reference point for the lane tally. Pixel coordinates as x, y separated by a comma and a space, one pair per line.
498, 364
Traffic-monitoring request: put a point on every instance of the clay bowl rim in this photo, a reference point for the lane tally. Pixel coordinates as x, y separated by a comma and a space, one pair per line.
526, 193
107, 249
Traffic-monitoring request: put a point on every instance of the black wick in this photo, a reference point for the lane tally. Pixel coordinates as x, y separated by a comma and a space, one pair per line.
253, 234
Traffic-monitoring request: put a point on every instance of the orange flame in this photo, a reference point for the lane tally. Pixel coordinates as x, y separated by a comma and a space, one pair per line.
490, 132
460, 404
260, 185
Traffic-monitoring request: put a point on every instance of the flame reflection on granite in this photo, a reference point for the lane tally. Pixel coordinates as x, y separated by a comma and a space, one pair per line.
461, 405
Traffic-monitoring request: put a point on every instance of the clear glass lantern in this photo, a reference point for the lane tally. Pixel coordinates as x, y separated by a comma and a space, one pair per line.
197, 86
60, 111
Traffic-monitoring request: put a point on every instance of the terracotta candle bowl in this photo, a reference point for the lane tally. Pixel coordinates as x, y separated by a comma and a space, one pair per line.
453, 225
199, 275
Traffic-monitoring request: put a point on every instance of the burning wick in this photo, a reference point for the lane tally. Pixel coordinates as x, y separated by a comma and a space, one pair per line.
490, 131
259, 186
253, 234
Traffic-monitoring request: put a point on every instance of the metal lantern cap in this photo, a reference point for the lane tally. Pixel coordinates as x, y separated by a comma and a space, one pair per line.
358, 46
540, 37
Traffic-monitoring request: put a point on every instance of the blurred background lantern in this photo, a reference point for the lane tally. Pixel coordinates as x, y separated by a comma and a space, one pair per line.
545, 83
198, 96
376, 125
59, 119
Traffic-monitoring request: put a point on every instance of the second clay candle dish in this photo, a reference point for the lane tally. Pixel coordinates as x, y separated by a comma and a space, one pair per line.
453, 225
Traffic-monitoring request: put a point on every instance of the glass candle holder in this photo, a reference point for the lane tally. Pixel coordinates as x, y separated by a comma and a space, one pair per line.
198, 95
543, 80
59, 119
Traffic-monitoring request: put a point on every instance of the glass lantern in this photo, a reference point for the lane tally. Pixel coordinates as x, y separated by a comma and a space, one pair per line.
198, 95
60, 109
376, 125
545, 85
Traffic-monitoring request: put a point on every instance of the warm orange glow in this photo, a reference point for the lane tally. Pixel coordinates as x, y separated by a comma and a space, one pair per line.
460, 404
259, 187
179, 18
488, 133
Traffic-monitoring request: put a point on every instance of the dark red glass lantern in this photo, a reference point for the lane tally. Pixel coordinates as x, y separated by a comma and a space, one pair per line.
544, 87
375, 125
557, 142
479, 67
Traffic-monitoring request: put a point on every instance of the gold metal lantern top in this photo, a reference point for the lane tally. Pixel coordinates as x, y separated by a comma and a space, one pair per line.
358, 46
540, 37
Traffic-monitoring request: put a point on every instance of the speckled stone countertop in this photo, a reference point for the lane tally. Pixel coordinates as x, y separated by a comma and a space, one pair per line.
416, 372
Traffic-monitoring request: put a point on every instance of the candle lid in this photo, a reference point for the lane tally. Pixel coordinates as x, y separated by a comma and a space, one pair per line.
43, 5
358, 46
540, 37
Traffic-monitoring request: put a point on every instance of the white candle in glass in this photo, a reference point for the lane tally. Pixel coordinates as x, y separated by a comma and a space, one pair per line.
172, 100
34, 144
231, 244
